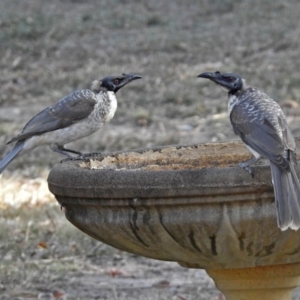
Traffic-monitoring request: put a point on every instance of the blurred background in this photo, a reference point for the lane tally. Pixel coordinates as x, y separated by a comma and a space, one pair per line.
50, 48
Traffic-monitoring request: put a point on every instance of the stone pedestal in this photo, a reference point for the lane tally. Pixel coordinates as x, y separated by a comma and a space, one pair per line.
266, 283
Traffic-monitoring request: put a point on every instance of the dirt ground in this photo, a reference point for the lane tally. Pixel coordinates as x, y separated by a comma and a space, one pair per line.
51, 48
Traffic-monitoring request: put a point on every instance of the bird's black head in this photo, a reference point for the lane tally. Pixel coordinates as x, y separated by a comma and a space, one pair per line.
229, 81
113, 83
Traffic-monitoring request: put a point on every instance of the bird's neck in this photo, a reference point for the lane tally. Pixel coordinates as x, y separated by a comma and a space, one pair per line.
232, 101
110, 104
235, 96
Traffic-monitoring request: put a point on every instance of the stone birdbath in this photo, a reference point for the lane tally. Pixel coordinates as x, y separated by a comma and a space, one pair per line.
188, 204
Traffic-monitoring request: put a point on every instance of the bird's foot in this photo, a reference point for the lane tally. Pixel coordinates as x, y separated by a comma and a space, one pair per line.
82, 156
92, 154
73, 158
245, 165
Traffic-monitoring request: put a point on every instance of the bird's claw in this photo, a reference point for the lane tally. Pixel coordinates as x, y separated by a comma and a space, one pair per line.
73, 158
70, 159
247, 168
92, 154
83, 156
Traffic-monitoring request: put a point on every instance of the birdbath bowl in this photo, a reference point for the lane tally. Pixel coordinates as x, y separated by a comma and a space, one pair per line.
188, 204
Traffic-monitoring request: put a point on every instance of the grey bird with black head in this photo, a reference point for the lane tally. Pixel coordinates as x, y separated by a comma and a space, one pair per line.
259, 121
73, 117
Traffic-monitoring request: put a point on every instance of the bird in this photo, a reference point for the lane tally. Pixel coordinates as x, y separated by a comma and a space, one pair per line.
261, 124
73, 117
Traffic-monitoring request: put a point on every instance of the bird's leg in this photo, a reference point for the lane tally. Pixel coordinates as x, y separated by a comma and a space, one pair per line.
60, 150
246, 165
64, 151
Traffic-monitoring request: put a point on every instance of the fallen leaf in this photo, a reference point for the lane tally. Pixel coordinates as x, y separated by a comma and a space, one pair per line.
115, 272
162, 283
58, 294
43, 245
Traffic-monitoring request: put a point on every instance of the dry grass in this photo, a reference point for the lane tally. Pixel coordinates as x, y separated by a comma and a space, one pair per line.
50, 48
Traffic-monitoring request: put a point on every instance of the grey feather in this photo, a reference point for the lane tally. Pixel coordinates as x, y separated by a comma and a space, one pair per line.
11, 155
259, 121
295, 197
261, 124
287, 191
64, 113
75, 116
255, 118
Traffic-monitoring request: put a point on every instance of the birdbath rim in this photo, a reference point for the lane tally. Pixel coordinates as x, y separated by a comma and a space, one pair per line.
166, 171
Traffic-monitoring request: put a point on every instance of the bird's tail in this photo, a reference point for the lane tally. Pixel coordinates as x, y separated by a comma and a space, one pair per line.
11, 155
287, 196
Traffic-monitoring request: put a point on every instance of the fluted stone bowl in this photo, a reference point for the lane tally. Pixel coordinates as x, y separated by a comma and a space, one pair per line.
189, 204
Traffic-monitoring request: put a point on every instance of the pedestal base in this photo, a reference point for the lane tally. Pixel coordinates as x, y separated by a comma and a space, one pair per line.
268, 282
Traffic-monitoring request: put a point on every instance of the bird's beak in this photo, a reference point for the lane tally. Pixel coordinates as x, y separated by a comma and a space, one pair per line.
209, 75
216, 77
131, 77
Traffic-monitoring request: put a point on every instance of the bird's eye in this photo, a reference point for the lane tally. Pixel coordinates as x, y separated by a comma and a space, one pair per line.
116, 81
230, 79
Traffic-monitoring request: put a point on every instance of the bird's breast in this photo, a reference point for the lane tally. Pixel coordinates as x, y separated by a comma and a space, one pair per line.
104, 109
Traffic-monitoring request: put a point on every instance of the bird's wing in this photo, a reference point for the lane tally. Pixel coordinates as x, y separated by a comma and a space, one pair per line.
260, 134
287, 135
70, 109
288, 139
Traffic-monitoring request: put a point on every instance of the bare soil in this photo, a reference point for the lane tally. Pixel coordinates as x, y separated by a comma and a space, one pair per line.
51, 48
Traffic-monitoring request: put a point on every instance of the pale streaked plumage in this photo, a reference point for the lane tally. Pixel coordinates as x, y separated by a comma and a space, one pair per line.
259, 121
73, 117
